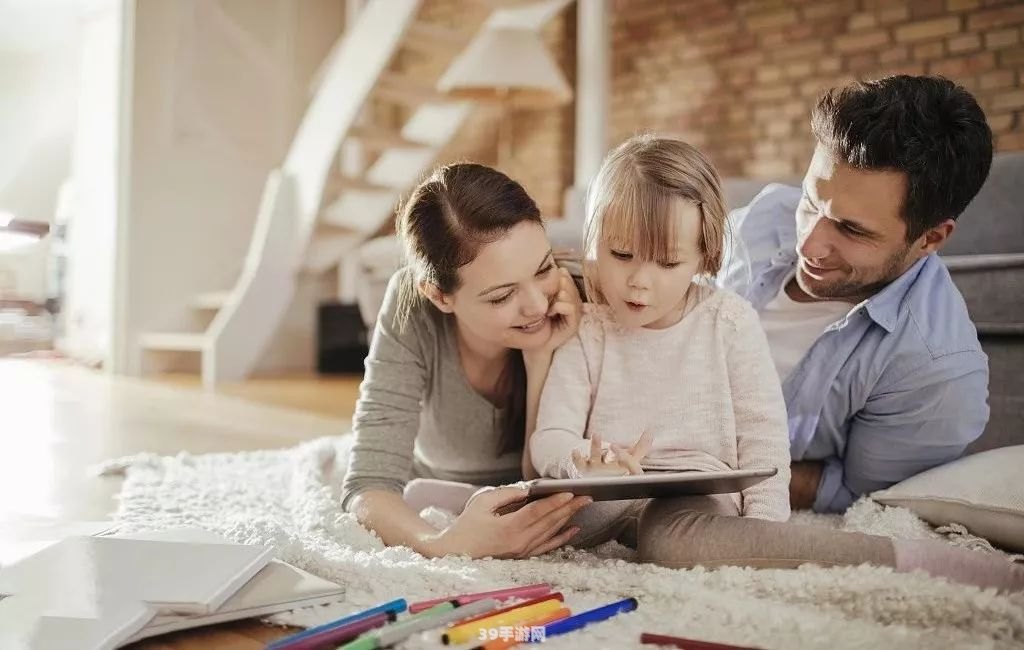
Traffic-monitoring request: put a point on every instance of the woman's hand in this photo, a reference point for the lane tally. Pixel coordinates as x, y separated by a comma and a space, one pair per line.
565, 312
534, 529
618, 461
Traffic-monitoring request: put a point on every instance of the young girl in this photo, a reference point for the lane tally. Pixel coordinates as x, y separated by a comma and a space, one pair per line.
666, 372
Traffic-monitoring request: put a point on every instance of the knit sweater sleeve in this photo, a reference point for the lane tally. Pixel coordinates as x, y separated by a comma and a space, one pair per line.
387, 414
564, 408
762, 434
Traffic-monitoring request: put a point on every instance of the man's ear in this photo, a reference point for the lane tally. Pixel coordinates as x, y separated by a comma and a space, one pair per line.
432, 293
935, 237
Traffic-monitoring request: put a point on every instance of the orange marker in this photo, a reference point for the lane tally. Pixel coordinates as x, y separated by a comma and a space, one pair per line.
550, 617
465, 632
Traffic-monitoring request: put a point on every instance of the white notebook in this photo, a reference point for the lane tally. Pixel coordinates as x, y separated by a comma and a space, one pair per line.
172, 577
278, 587
27, 535
75, 594
25, 625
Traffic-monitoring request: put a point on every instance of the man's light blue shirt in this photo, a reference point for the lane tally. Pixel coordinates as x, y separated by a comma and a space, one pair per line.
898, 385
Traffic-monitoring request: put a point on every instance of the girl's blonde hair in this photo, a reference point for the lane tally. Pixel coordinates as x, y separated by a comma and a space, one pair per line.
631, 200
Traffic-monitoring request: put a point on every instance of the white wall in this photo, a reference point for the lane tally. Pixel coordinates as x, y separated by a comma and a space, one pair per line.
91, 201
217, 90
37, 107
37, 110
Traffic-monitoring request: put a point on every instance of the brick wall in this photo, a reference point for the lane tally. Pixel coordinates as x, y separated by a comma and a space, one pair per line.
738, 78
541, 140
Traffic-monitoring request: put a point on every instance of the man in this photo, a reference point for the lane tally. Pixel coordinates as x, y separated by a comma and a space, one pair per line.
880, 364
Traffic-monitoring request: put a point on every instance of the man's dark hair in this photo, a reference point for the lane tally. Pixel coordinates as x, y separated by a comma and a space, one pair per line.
929, 128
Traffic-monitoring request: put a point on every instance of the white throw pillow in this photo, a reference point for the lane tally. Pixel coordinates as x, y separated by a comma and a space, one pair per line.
984, 492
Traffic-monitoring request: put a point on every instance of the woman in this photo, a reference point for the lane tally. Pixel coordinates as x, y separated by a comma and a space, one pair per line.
460, 353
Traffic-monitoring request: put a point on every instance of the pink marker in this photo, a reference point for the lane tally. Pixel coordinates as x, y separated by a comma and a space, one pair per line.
526, 591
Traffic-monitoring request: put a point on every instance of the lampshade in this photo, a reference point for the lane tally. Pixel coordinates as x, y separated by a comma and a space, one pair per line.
509, 65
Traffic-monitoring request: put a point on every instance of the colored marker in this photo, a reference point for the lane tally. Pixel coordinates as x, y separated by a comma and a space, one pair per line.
437, 616
395, 606
527, 591
467, 632
686, 644
557, 595
342, 633
502, 644
583, 619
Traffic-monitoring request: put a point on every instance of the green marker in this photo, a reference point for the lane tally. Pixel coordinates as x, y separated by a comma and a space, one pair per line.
437, 616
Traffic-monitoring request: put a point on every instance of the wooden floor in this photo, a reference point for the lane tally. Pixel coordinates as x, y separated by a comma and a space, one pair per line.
57, 420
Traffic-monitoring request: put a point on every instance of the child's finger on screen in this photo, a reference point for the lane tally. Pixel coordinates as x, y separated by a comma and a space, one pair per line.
626, 459
643, 445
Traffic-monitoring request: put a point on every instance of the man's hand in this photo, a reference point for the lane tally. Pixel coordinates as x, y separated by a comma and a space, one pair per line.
803, 486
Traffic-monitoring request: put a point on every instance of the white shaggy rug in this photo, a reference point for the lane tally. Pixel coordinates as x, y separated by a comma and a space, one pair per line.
289, 499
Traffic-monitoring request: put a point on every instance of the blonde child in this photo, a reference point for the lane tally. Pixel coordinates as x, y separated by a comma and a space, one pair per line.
666, 372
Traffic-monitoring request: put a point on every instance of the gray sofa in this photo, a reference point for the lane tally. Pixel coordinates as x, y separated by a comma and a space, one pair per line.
986, 259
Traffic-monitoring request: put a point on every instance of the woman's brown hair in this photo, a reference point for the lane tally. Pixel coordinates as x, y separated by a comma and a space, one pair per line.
443, 224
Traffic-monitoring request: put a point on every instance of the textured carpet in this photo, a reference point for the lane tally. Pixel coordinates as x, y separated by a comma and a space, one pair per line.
289, 499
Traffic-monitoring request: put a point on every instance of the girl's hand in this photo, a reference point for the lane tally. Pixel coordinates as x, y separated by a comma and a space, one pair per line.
618, 461
565, 313
536, 528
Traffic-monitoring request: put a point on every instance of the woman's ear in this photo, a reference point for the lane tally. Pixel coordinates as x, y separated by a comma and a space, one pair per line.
432, 293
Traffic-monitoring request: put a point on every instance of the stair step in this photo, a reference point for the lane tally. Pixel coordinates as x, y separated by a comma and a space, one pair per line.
506, 4
329, 245
433, 39
210, 301
338, 183
406, 91
377, 138
327, 230
173, 342
359, 212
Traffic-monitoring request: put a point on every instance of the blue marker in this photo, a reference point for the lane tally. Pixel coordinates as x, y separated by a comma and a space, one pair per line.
583, 619
394, 607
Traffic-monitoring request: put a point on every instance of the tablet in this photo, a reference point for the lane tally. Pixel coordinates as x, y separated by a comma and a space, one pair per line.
648, 485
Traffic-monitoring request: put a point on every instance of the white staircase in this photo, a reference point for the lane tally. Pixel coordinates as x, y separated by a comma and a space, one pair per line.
311, 215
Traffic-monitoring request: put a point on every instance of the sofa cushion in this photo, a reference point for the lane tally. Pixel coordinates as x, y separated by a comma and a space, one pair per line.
983, 492
993, 223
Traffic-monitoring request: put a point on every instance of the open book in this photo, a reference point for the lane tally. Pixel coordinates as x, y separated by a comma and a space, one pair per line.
279, 587
173, 577
27, 624
102, 592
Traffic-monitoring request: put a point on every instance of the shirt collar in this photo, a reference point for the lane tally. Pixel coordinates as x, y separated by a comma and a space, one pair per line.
884, 306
